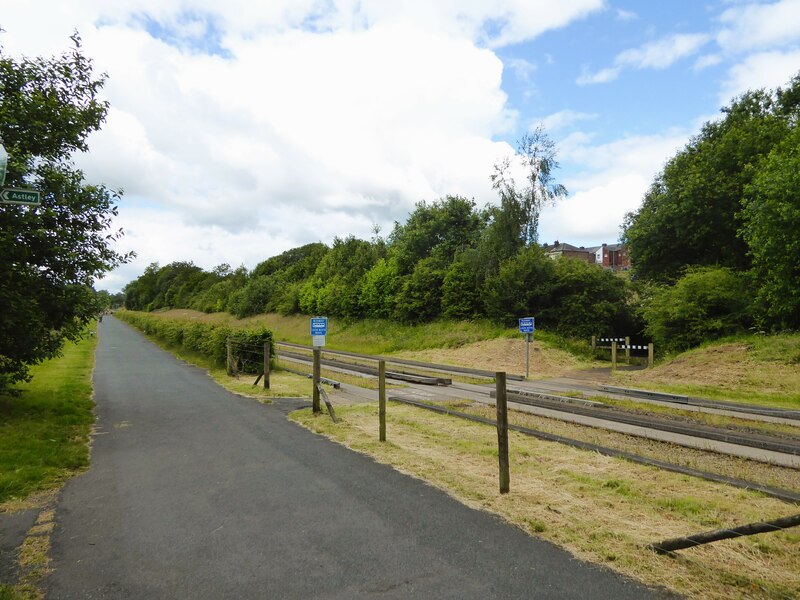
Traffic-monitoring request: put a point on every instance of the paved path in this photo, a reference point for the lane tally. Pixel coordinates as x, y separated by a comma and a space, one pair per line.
198, 493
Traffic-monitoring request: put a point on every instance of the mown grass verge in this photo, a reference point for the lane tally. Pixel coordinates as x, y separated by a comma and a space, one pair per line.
44, 431
44, 440
602, 509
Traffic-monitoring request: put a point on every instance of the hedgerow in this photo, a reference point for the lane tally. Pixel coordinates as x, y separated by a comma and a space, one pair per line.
208, 339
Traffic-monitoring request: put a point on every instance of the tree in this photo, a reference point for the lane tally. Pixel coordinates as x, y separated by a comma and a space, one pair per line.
692, 213
335, 287
771, 224
705, 304
537, 155
441, 230
522, 287
50, 255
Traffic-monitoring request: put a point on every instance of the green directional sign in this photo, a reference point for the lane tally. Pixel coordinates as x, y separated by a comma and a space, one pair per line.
20, 196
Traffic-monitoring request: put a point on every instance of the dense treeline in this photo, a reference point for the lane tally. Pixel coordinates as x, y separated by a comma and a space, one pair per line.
442, 262
714, 249
717, 234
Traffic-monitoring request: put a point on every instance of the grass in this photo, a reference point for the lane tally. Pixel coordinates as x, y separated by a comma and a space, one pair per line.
753, 369
731, 466
716, 420
602, 509
367, 336
44, 440
44, 431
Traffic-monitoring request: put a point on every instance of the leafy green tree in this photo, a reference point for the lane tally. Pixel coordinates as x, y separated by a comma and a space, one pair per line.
586, 300
522, 287
420, 298
692, 213
441, 230
707, 303
51, 255
461, 289
380, 288
335, 287
140, 293
536, 153
772, 230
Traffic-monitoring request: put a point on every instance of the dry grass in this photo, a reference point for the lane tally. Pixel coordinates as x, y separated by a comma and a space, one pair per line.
703, 460
735, 371
741, 423
503, 354
33, 561
602, 509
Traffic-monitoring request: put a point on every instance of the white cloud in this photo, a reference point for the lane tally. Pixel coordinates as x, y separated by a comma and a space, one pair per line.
662, 53
761, 70
322, 120
658, 54
706, 61
562, 119
602, 76
760, 26
626, 15
614, 179
522, 69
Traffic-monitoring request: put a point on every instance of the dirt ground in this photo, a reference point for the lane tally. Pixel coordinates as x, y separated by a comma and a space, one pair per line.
503, 354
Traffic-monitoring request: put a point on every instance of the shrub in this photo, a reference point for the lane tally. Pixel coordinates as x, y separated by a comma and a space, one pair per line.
208, 339
707, 303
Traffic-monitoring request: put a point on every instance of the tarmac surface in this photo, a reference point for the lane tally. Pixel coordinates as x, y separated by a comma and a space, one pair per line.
197, 493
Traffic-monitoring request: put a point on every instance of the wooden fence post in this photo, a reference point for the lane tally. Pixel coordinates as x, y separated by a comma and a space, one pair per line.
650, 355
594, 344
382, 400
229, 359
266, 364
627, 349
317, 368
614, 355
502, 431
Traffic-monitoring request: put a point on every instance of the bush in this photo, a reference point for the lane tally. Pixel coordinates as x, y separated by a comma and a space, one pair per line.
586, 299
421, 295
707, 303
522, 288
208, 339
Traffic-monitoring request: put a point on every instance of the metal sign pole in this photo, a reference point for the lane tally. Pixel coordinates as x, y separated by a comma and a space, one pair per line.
527, 325
527, 355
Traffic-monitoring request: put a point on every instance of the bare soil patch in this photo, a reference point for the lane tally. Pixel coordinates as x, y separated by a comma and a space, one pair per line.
503, 354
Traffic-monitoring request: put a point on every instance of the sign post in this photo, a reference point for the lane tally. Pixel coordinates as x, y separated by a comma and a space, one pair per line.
527, 326
20, 196
3, 162
319, 329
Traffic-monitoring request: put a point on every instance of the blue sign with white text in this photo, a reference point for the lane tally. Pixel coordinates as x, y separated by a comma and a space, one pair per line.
319, 326
526, 325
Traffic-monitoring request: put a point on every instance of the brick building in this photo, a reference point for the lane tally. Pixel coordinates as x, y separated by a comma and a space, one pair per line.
608, 256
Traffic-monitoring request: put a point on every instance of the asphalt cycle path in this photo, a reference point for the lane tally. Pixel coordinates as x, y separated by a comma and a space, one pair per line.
197, 493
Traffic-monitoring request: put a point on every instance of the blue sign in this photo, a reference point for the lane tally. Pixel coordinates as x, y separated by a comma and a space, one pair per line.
319, 326
526, 325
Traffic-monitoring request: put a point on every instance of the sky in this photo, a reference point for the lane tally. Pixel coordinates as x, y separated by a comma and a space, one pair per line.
239, 130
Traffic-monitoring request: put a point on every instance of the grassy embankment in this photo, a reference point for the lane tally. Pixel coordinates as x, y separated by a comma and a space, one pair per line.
756, 369
44, 440
478, 344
